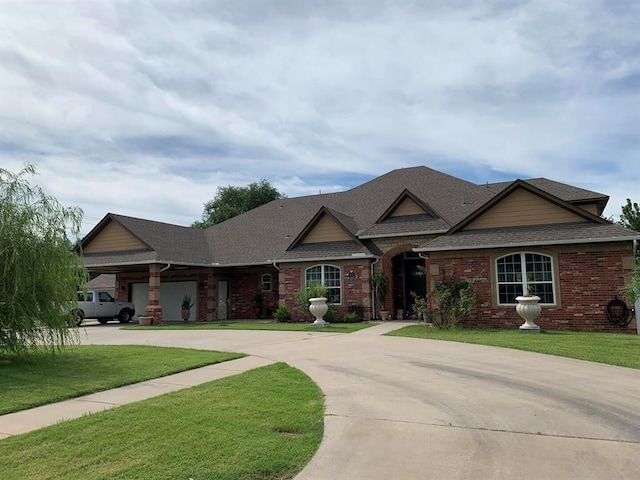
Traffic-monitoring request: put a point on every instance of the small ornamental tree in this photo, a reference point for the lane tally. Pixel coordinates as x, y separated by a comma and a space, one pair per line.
456, 300
631, 290
40, 272
630, 217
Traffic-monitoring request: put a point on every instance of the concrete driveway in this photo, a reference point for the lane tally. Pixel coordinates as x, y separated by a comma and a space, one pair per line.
399, 408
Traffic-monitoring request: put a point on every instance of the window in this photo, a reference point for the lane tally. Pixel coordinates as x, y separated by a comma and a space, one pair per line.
329, 276
266, 282
105, 297
519, 271
87, 298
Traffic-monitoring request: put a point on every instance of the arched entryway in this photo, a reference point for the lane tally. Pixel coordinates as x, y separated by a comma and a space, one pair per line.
405, 271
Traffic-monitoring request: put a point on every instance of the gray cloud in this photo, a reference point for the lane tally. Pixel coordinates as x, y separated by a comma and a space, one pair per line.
178, 98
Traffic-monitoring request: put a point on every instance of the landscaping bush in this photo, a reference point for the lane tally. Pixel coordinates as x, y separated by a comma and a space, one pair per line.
350, 317
330, 316
282, 314
358, 310
456, 299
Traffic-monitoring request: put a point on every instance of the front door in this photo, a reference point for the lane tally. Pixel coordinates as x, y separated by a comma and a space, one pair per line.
408, 276
223, 300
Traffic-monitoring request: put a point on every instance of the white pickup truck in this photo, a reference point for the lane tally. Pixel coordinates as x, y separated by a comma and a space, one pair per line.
101, 305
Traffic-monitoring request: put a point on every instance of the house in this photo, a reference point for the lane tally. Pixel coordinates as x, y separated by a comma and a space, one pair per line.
411, 224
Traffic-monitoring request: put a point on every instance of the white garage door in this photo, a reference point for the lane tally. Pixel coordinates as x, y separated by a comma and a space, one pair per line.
171, 294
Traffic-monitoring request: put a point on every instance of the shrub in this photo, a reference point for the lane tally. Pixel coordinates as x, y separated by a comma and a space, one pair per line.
456, 299
379, 287
282, 314
350, 317
357, 310
420, 306
631, 290
330, 316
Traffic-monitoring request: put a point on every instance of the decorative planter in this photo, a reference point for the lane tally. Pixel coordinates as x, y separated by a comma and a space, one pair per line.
529, 309
318, 308
384, 315
145, 321
185, 315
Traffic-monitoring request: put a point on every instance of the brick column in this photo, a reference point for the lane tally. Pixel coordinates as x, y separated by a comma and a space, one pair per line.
154, 309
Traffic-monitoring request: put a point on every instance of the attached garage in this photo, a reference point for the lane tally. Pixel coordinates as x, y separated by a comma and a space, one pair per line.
171, 294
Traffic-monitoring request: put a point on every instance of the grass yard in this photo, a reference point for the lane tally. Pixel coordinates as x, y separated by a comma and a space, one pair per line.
249, 325
263, 424
79, 370
614, 349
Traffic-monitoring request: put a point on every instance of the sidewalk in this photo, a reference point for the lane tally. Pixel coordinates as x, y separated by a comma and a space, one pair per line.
45, 415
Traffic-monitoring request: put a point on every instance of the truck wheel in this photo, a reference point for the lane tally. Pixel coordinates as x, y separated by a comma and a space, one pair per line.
103, 321
125, 316
77, 318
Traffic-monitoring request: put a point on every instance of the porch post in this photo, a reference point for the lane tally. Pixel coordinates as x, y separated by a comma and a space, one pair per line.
154, 309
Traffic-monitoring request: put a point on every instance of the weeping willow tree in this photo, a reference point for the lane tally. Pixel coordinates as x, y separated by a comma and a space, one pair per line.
39, 271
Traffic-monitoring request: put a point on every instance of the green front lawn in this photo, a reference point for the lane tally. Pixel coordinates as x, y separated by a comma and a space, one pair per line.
256, 325
263, 424
614, 349
79, 370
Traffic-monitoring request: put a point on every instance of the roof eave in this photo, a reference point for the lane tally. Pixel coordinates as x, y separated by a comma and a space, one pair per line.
326, 259
149, 262
526, 244
404, 234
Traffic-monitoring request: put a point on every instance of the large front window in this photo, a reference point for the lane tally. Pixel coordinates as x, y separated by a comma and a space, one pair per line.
522, 272
326, 275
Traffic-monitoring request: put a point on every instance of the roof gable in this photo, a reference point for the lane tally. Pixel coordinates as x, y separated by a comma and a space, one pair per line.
407, 204
326, 226
522, 204
111, 236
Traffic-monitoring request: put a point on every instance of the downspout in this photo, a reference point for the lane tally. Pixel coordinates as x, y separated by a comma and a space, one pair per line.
165, 268
373, 298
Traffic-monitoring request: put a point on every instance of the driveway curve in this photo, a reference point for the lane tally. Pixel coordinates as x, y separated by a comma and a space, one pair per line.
402, 408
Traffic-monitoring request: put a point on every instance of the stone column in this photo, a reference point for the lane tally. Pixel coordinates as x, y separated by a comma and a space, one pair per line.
154, 309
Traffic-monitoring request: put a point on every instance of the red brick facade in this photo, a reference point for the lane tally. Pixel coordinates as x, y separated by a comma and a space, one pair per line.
587, 278
586, 281
356, 290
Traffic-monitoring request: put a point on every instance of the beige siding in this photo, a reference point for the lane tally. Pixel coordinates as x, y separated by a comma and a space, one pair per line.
326, 230
523, 208
591, 208
114, 238
407, 207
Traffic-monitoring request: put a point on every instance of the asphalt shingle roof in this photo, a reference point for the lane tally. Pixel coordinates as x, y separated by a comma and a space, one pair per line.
327, 250
263, 235
529, 236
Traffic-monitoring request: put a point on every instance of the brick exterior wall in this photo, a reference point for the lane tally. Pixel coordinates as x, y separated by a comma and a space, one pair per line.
244, 285
587, 278
356, 288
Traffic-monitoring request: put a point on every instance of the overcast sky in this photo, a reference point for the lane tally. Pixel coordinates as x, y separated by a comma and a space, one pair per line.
144, 108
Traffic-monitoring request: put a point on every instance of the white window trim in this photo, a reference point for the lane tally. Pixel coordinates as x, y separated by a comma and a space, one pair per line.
270, 282
322, 279
524, 265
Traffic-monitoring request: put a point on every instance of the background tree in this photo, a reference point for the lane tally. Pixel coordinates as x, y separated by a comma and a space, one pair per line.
231, 201
39, 271
630, 217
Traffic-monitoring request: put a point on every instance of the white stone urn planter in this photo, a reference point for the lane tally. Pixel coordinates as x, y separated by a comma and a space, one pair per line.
318, 308
529, 309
